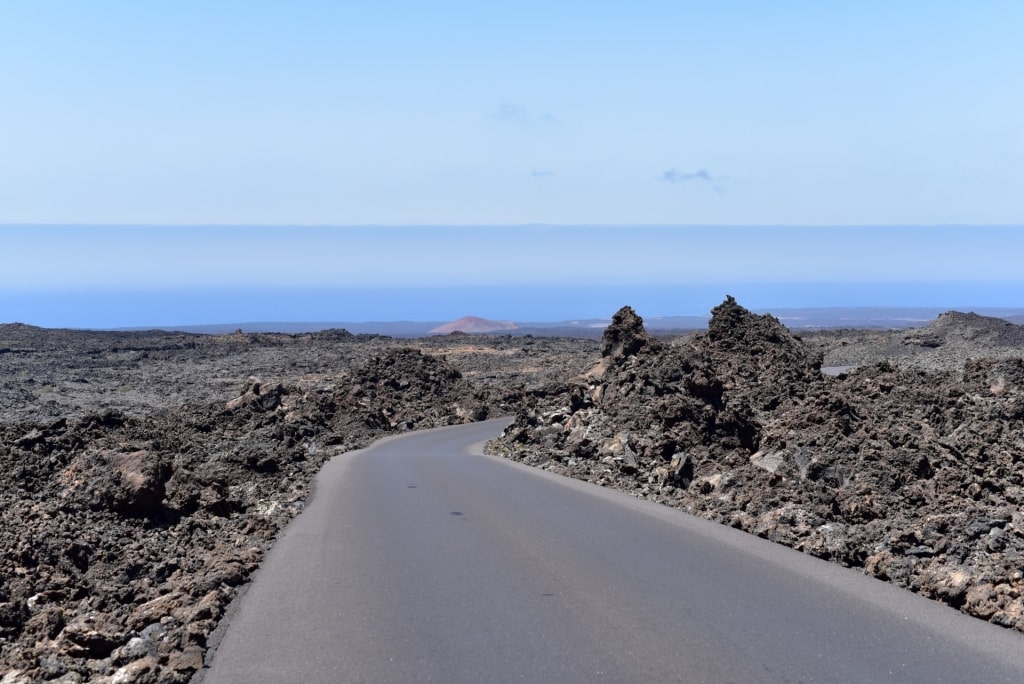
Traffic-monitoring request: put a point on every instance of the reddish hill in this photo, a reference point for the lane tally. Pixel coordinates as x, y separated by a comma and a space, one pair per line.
474, 324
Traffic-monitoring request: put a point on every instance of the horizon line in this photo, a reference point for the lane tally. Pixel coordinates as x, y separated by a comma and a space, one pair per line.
532, 224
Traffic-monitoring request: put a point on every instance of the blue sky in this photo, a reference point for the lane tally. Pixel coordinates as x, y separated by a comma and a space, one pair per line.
677, 112
156, 123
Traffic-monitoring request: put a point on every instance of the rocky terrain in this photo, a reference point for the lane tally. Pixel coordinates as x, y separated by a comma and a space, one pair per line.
143, 475
911, 469
945, 344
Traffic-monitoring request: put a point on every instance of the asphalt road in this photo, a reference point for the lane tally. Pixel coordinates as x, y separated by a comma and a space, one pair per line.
419, 560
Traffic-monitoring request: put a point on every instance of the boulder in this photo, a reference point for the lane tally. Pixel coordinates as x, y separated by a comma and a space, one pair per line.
129, 483
89, 636
625, 336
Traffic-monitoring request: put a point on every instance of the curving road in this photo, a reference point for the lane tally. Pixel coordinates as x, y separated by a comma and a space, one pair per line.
419, 560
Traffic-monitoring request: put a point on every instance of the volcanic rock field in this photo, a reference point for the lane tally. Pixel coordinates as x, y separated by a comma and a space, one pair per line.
143, 475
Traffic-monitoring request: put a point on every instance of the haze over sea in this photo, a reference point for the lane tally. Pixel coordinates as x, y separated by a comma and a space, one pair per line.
141, 276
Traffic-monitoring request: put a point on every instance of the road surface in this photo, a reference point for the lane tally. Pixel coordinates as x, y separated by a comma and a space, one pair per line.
420, 560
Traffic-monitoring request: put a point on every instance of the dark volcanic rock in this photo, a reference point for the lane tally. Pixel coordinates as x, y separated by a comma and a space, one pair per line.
126, 535
945, 344
913, 476
757, 355
404, 387
143, 475
625, 336
126, 483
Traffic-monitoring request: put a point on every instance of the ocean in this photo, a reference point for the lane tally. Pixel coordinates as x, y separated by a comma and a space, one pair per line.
166, 307
141, 276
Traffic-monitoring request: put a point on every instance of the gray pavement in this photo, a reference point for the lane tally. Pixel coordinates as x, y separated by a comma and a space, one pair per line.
420, 560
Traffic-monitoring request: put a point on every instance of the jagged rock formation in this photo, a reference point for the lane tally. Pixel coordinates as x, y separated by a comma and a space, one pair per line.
625, 336
142, 476
126, 537
913, 476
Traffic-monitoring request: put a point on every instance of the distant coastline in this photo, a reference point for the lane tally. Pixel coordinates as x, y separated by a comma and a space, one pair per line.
415, 311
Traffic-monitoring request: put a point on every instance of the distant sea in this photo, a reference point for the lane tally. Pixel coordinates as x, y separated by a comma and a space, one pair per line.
168, 276
98, 309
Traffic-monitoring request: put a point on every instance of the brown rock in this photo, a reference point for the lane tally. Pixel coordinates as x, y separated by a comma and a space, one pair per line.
188, 660
142, 485
625, 336
90, 637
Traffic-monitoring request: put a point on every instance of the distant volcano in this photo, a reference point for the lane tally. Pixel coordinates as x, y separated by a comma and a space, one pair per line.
474, 324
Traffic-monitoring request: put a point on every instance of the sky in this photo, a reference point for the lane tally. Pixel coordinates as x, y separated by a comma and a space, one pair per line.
141, 142
348, 113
